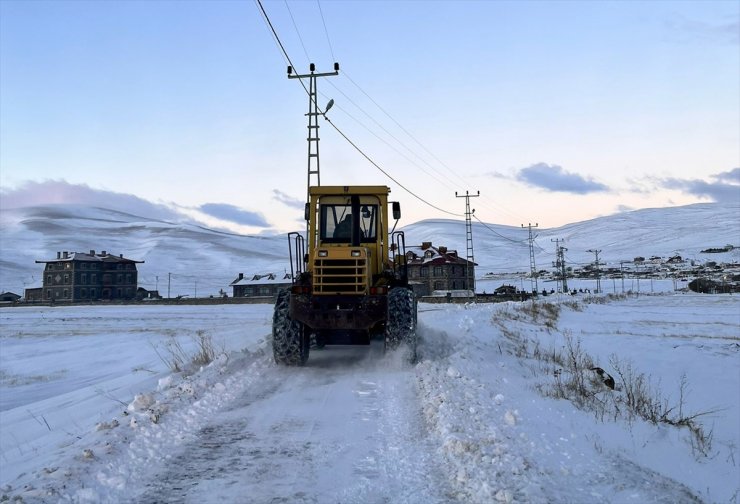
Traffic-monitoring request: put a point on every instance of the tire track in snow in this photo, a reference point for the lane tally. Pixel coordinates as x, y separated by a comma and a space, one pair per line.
345, 428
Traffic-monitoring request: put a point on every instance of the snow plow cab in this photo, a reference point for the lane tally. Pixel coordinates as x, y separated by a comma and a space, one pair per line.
351, 284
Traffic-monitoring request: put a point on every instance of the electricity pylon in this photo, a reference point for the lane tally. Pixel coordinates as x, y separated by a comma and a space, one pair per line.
532, 265
469, 239
313, 120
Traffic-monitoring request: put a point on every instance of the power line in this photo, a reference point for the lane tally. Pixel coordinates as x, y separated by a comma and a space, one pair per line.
388, 174
336, 128
409, 135
496, 232
381, 138
331, 49
308, 58
428, 151
443, 174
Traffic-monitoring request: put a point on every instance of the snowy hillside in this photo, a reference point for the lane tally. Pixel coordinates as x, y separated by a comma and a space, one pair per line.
662, 232
195, 256
202, 261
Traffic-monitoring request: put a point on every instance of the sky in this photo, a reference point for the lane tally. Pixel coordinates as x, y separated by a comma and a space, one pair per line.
556, 112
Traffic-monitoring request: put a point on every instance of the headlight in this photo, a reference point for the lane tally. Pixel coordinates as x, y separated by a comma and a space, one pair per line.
356, 253
323, 253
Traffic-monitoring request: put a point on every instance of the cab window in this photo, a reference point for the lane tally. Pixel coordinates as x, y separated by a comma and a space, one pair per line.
336, 222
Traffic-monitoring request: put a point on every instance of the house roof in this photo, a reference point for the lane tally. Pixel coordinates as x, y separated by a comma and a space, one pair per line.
427, 254
89, 257
262, 279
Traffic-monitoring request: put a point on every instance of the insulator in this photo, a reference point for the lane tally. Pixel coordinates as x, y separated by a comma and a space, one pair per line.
336, 66
312, 67
290, 69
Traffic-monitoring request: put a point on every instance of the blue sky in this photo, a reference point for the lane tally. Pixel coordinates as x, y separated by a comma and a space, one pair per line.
555, 111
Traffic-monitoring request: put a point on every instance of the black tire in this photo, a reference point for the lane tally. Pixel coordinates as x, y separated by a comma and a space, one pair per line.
290, 339
400, 326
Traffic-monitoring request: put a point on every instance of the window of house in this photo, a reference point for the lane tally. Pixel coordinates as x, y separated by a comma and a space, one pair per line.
265, 291
93, 293
48, 279
68, 266
120, 293
48, 293
128, 291
128, 278
66, 293
439, 285
119, 278
438, 271
424, 271
454, 284
93, 278
83, 293
83, 278
248, 291
66, 278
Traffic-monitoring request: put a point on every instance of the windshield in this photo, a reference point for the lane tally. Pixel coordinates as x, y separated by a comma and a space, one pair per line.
337, 221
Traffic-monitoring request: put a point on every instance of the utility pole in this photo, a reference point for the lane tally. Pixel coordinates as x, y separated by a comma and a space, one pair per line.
532, 265
598, 271
469, 239
313, 120
169, 283
560, 262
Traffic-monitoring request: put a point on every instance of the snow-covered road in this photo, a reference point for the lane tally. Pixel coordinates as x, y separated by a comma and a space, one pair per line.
344, 429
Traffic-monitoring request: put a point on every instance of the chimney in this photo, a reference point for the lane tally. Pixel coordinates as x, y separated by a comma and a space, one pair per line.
442, 250
426, 245
120, 256
92, 252
66, 254
59, 255
241, 276
103, 253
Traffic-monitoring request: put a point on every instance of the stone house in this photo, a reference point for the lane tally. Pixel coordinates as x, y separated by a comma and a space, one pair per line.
438, 269
81, 277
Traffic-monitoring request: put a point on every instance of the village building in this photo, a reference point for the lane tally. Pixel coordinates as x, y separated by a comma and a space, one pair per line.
438, 270
268, 284
34, 295
9, 297
81, 277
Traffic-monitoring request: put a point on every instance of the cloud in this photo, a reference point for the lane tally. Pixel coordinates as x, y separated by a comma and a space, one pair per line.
691, 29
554, 178
234, 214
288, 200
732, 176
725, 188
50, 192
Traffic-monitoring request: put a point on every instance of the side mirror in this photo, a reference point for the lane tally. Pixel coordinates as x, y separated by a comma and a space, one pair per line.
306, 212
396, 210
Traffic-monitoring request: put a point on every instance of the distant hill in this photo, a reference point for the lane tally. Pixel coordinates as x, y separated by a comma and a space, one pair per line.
201, 260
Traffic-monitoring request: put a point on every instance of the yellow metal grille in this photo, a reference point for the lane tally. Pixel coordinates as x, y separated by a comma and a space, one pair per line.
340, 276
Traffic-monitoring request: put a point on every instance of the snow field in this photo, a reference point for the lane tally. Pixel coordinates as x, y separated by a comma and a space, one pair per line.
466, 424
